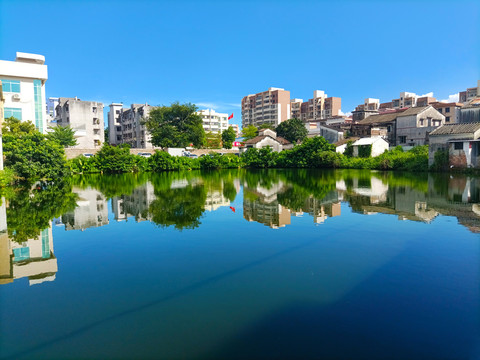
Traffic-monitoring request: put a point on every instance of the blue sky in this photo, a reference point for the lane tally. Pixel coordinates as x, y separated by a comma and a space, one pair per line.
216, 52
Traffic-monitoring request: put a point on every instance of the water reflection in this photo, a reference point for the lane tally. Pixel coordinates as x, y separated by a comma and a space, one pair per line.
181, 200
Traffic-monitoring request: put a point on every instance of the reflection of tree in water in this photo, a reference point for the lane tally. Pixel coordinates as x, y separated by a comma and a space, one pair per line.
111, 185
181, 208
29, 212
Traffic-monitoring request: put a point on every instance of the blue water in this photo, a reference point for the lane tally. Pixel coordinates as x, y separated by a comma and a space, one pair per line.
374, 277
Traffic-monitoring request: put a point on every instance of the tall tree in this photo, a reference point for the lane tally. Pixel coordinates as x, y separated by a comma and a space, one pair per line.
213, 140
228, 137
249, 132
63, 135
292, 129
177, 125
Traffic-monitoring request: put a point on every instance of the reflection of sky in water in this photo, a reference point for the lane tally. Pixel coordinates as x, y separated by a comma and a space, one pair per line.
353, 286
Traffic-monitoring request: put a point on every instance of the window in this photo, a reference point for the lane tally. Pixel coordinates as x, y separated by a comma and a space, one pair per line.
447, 109
20, 254
11, 85
94, 109
421, 122
96, 131
15, 112
402, 139
440, 110
117, 112
458, 146
447, 119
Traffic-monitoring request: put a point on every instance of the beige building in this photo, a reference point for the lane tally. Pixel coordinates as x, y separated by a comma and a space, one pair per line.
450, 110
319, 107
268, 107
85, 118
469, 94
213, 122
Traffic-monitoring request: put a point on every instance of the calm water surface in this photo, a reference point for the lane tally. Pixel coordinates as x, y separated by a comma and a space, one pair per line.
242, 264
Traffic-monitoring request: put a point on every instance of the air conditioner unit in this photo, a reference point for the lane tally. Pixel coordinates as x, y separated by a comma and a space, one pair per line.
16, 97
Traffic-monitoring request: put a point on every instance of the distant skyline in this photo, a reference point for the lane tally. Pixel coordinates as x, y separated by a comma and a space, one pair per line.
212, 53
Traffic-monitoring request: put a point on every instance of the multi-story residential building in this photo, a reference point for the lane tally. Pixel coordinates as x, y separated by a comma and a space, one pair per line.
126, 125
369, 107
407, 100
236, 128
91, 210
115, 124
268, 107
469, 94
317, 108
450, 110
213, 122
51, 108
406, 127
85, 118
23, 83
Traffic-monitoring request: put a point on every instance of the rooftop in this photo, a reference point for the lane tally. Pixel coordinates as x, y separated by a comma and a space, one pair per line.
451, 129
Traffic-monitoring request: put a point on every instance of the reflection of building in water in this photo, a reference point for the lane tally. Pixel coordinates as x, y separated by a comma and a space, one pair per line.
215, 199
263, 207
370, 187
270, 214
91, 210
322, 209
33, 258
136, 204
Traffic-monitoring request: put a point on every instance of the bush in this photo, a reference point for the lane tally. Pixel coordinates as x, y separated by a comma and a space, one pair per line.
441, 160
111, 159
7, 177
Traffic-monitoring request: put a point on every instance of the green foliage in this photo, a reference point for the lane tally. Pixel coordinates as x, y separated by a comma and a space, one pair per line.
228, 137
32, 157
30, 211
217, 161
163, 161
260, 158
213, 140
267, 126
306, 154
83, 165
111, 159
249, 132
441, 160
111, 185
7, 177
349, 149
15, 127
364, 151
63, 135
293, 130
176, 125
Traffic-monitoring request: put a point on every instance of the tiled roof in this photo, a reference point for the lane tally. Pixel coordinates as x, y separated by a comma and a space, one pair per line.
475, 102
414, 110
466, 128
378, 119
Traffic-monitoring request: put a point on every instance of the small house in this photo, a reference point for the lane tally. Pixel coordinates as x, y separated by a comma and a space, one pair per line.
267, 137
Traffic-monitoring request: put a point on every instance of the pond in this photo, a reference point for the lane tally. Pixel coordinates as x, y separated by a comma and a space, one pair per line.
242, 264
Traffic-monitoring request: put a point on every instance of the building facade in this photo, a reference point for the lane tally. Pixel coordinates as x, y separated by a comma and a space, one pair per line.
268, 107
469, 94
23, 83
319, 107
213, 122
450, 110
126, 125
85, 118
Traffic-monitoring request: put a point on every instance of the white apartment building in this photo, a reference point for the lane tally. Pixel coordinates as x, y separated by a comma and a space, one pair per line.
268, 107
85, 118
212, 121
125, 125
23, 83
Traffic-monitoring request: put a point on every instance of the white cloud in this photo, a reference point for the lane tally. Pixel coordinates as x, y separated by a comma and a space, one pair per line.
451, 98
217, 106
341, 113
207, 105
430, 94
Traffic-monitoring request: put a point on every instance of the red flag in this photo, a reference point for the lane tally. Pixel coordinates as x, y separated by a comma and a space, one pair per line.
230, 117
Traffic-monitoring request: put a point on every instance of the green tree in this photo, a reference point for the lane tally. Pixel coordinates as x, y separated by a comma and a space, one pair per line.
293, 130
249, 132
213, 140
267, 126
228, 137
30, 154
177, 125
13, 126
63, 135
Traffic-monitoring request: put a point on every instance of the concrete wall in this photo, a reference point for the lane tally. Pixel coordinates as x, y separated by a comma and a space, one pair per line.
412, 128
